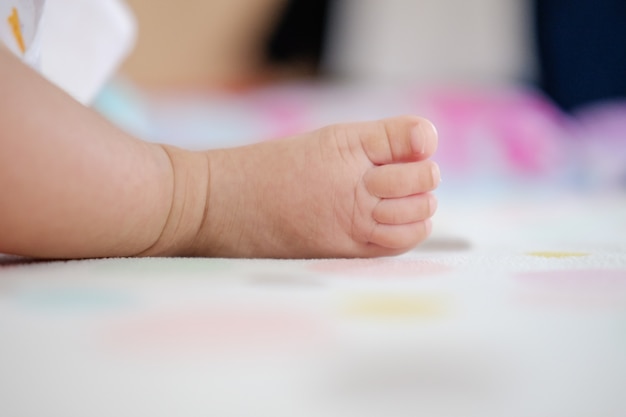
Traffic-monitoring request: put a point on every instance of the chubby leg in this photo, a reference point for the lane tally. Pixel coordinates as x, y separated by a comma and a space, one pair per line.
351, 190
77, 187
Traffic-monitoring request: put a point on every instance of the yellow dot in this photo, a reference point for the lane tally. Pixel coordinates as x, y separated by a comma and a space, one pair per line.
394, 306
548, 254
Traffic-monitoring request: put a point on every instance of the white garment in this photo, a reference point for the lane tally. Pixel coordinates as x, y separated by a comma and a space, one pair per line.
20, 28
76, 44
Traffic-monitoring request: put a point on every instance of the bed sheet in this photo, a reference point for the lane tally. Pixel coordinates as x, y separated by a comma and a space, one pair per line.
513, 307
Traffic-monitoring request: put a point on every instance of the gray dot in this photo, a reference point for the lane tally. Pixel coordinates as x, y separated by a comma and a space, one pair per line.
284, 280
448, 244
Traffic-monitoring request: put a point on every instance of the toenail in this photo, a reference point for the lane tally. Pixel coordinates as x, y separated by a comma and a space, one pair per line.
418, 139
432, 204
428, 226
436, 174
422, 134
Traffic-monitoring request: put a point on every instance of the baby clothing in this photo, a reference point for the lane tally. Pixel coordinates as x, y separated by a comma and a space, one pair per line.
20, 28
76, 44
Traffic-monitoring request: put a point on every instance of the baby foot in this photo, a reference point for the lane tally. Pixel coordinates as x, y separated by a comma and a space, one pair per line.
352, 190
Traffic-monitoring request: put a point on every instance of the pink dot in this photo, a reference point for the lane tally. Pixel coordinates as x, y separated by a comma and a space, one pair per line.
588, 289
233, 329
578, 278
380, 267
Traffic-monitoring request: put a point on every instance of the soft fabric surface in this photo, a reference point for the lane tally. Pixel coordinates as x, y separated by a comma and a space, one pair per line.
516, 306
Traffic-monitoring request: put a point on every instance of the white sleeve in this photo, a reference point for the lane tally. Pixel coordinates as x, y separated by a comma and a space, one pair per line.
83, 42
20, 28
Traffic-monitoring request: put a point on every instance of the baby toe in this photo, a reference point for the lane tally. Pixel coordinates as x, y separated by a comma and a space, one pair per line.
400, 237
399, 139
405, 210
402, 180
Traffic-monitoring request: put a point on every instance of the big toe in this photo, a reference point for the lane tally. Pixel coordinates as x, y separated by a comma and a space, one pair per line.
399, 139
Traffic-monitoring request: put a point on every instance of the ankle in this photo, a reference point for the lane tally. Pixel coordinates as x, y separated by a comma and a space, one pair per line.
190, 174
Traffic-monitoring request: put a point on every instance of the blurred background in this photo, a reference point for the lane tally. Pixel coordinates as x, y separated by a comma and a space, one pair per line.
575, 50
519, 90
